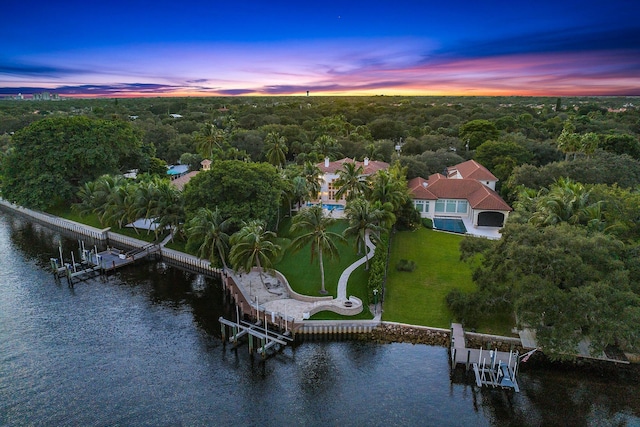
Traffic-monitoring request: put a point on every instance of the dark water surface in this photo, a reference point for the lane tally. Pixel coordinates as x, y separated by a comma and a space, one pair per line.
142, 347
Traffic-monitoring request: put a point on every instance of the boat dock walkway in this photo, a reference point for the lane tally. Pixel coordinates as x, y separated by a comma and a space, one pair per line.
491, 367
92, 262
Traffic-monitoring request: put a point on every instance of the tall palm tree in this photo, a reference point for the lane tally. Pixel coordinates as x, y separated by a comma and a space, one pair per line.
315, 231
276, 146
209, 140
362, 218
351, 181
253, 246
208, 229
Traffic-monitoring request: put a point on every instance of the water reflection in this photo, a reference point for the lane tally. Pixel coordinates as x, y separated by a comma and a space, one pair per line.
142, 347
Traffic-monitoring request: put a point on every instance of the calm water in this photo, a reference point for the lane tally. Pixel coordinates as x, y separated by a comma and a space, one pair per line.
142, 348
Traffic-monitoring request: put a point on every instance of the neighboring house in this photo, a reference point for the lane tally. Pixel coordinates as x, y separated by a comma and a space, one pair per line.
466, 193
182, 180
330, 171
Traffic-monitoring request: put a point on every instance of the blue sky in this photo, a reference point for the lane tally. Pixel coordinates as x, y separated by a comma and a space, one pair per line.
162, 48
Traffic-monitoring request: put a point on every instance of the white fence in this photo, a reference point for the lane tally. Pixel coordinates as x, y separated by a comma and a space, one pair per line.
55, 221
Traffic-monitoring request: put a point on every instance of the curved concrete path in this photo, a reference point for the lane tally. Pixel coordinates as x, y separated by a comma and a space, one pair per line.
286, 303
344, 278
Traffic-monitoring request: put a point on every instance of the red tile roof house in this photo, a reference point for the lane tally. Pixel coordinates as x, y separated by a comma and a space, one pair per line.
330, 174
467, 193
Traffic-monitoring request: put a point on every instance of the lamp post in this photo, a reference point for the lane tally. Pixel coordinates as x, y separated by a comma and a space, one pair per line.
375, 301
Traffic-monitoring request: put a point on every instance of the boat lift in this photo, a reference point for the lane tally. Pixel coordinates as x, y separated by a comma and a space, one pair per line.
267, 338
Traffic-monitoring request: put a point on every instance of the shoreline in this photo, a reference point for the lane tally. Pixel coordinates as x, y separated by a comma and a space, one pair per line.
371, 330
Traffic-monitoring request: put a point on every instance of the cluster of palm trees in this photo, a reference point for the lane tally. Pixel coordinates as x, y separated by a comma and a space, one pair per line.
564, 201
118, 201
572, 143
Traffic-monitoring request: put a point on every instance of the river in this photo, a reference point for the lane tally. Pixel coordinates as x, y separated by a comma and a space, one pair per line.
142, 347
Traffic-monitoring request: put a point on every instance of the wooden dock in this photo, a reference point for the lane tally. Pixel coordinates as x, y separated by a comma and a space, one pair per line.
491, 367
92, 262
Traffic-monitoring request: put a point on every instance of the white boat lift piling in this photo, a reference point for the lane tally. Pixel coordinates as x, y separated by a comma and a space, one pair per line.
493, 368
260, 330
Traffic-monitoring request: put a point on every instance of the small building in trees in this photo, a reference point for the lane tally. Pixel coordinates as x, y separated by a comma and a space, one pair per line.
182, 180
464, 200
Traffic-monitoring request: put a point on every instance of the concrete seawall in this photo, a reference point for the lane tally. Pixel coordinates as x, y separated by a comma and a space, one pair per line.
368, 329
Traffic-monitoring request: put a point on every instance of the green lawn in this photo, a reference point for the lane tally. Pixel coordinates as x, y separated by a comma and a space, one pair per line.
418, 297
92, 220
304, 275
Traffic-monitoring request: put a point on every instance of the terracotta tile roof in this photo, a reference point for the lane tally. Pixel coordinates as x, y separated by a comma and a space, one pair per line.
472, 170
333, 167
438, 187
418, 189
179, 183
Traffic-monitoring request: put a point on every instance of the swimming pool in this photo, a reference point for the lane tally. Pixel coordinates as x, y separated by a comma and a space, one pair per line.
328, 206
177, 169
454, 225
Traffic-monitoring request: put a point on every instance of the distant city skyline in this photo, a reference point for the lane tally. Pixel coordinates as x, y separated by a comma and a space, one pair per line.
161, 48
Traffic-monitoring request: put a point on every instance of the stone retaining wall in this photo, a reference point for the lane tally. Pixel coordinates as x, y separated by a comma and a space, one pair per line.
399, 332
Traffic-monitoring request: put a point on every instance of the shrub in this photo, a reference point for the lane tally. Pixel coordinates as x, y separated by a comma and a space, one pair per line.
406, 265
427, 223
378, 267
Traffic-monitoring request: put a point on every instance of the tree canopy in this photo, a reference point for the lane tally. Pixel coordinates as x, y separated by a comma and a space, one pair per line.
50, 159
240, 190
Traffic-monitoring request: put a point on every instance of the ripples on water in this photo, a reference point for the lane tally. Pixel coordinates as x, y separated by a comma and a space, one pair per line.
142, 347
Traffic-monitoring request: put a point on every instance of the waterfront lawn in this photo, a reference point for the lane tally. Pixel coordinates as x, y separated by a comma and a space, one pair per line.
304, 275
67, 213
92, 220
418, 297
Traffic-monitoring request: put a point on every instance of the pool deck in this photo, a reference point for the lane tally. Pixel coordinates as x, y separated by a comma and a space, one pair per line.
486, 232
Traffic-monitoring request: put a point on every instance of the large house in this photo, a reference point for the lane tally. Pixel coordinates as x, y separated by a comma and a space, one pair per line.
330, 171
467, 193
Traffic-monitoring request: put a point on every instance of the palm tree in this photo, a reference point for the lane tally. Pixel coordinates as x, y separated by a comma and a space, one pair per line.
209, 140
209, 230
169, 210
326, 146
253, 246
315, 228
351, 181
312, 174
566, 201
276, 146
87, 196
362, 218
299, 191
568, 141
589, 143
386, 188
147, 199
95, 196
119, 207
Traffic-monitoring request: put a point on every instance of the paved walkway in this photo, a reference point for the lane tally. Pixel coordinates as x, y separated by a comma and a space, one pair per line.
274, 296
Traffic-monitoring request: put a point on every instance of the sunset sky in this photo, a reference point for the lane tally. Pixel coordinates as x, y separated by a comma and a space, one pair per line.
210, 48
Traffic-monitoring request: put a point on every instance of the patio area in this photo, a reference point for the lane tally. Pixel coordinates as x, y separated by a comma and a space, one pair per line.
478, 231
